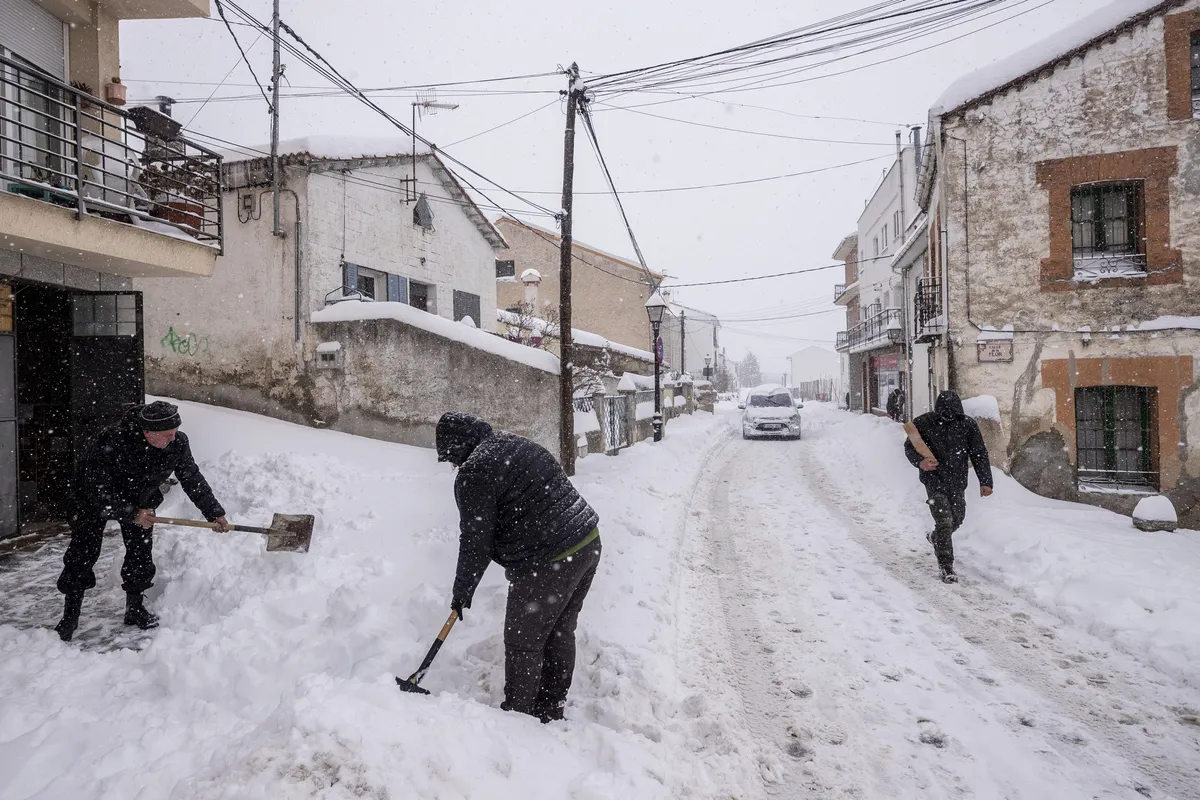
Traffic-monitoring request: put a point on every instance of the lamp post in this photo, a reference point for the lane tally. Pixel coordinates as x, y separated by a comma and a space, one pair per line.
708, 367
656, 307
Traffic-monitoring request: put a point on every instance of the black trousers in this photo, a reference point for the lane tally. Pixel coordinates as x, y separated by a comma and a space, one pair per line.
87, 536
948, 510
539, 632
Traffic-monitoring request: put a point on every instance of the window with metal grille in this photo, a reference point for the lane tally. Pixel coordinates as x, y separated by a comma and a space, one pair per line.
1196, 75
1106, 229
1114, 441
506, 269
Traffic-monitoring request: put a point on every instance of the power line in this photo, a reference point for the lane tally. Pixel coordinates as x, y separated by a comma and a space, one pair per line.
227, 74
505, 124
759, 277
249, 66
749, 133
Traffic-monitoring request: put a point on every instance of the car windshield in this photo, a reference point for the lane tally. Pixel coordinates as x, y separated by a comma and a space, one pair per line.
778, 400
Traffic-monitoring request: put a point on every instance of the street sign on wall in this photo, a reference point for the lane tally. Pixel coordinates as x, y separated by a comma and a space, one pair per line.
995, 350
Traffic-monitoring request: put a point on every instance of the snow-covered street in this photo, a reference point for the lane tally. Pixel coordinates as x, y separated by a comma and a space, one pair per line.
766, 622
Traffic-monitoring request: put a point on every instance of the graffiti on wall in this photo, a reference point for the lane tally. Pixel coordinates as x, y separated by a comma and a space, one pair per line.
186, 344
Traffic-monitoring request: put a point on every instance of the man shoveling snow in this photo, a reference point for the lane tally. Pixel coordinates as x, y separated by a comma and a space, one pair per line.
118, 478
953, 438
518, 508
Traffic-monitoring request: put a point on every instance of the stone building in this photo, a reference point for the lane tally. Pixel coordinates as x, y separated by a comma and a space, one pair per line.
1063, 190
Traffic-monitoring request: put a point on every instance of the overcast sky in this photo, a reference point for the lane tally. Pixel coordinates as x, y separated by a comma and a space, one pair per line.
702, 235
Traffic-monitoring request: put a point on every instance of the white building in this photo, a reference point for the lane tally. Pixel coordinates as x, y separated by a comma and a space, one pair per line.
879, 334
817, 365
354, 225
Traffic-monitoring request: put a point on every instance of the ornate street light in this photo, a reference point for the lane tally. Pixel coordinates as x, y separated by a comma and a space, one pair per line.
656, 309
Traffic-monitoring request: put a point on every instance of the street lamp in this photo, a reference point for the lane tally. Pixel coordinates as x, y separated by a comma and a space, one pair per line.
656, 308
708, 366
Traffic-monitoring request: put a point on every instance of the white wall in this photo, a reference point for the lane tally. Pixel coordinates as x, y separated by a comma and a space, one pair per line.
877, 283
813, 363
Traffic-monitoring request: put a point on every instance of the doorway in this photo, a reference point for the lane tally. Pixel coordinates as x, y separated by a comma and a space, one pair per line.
71, 366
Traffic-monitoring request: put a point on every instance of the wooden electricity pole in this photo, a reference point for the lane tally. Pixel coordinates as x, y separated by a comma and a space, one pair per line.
566, 387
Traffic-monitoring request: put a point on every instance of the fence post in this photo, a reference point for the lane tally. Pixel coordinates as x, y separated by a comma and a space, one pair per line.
80, 208
631, 420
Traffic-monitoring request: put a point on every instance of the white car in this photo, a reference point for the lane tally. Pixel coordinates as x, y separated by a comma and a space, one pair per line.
770, 413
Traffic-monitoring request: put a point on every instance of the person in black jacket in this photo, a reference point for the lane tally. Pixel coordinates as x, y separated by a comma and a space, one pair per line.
954, 439
118, 478
518, 508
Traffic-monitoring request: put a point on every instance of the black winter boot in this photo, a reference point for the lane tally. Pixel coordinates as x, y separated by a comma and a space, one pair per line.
70, 619
137, 614
948, 575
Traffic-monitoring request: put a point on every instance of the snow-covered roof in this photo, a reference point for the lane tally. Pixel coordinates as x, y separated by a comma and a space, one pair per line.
917, 234
769, 388
356, 310
335, 148
846, 247
531, 275
1094, 27
586, 338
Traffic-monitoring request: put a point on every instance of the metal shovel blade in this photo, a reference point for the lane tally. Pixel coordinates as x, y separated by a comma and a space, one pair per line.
290, 533
409, 686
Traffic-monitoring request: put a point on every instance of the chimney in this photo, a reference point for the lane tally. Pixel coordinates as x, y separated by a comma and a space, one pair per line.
531, 278
916, 142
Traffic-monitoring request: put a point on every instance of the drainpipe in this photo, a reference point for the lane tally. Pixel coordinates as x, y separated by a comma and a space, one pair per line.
296, 251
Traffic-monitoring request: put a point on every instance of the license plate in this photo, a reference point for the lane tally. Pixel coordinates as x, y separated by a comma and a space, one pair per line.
772, 427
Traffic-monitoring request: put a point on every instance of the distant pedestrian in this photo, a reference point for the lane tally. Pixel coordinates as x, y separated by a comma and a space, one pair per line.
118, 478
518, 508
895, 405
954, 439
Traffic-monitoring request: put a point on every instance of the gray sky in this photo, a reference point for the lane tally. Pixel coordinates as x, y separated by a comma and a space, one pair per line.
702, 235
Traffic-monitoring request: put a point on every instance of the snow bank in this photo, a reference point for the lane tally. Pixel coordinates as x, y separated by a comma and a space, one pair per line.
329, 347
272, 673
586, 422
1168, 323
1087, 565
987, 333
358, 310
1155, 509
982, 407
1095, 23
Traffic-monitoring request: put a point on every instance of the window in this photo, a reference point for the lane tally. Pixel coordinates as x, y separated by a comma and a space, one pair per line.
104, 315
774, 400
1106, 230
423, 214
1113, 435
506, 269
420, 295
466, 305
876, 244
1196, 75
896, 224
885, 239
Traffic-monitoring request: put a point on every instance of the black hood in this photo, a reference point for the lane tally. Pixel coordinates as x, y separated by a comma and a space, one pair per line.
948, 405
458, 434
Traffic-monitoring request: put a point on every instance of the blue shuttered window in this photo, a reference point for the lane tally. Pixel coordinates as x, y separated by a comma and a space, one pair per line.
397, 289
349, 277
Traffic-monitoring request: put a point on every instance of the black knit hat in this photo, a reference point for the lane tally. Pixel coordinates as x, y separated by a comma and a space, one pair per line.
159, 416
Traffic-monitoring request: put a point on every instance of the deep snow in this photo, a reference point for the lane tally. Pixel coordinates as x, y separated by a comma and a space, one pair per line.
766, 622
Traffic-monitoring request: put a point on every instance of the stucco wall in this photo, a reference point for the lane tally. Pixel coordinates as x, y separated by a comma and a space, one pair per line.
608, 298
398, 380
1112, 99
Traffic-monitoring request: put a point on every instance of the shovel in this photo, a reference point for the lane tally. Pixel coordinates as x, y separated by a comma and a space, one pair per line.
410, 685
288, 532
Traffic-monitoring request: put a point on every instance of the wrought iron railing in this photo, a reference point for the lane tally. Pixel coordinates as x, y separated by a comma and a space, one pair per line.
839, 289
874, 329
927, 308
64, 146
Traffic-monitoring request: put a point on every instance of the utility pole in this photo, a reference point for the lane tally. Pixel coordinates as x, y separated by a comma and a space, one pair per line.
682, 342
275, 119
566, 388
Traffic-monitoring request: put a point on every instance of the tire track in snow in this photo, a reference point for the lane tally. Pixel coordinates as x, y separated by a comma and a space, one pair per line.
1117, 700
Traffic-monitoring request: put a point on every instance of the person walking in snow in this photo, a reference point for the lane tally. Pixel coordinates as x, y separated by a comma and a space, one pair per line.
118, 478
895, 405
954, 439
518, 508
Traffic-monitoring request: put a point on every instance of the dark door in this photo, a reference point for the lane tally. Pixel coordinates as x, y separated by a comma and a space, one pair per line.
8, 436
107, 372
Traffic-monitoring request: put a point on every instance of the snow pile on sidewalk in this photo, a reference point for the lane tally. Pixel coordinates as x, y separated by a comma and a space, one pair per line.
272, 673
1087, 565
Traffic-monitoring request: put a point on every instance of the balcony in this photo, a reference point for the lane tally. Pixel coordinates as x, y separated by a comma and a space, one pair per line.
929, 321
72, 11
843, 294
882, 328
89, 184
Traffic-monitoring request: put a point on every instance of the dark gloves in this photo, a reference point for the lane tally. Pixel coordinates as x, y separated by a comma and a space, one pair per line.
458, 604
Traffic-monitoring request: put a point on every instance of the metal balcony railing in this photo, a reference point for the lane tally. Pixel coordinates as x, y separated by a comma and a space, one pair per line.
838, 290
875, 330
66, 147
927, 309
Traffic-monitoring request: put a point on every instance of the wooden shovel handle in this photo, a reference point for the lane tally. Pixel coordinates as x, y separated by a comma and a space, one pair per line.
195, 523
918, 443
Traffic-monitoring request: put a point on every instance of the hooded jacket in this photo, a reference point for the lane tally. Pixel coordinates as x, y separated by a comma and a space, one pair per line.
516, 505
954, 438
120, 472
